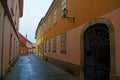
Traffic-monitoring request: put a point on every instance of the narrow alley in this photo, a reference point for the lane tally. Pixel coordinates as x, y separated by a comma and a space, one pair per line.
59, 40
30, 67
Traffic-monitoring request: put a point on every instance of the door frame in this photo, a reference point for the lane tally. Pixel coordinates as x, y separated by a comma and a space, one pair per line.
112, 46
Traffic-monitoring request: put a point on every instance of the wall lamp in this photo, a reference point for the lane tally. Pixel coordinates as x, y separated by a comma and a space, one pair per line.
64, 15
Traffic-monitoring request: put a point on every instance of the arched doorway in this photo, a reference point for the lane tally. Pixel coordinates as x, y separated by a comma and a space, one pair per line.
96, 41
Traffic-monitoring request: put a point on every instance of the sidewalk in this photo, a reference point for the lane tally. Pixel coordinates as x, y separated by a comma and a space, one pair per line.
30, 67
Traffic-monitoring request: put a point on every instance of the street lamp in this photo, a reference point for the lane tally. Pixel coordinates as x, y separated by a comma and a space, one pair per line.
64, 15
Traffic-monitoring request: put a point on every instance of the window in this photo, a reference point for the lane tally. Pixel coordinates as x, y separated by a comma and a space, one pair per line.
10, 45
46, 28
49, 46
63, 5
9, 3
54, 45
45, 46
16, 17
49, 23
55, 16
0, 23
12, 7
13, 3
63, 42
14, 49
0, 18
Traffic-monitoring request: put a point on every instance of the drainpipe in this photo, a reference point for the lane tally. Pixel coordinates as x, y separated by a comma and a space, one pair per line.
5, 13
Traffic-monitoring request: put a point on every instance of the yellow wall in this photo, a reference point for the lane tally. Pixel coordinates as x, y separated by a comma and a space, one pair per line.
39, 39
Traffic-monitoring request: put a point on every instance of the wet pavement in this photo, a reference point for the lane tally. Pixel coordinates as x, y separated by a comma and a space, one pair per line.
30, 67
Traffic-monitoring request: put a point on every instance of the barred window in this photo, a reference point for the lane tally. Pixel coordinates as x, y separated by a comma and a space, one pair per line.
49, 46
63, 42
45, 46
0, 17
54, 44
49, 23
55, 16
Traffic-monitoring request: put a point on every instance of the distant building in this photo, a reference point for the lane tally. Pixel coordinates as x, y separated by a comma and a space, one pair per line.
34, 48
82, 37
25, 46
10, 12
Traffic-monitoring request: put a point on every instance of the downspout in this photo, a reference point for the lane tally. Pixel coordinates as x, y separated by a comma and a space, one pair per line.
5, 13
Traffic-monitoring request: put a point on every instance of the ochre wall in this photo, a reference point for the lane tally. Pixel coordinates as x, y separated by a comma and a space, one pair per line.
82, 11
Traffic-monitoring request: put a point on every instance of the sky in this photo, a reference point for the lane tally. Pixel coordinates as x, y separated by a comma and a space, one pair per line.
33, 11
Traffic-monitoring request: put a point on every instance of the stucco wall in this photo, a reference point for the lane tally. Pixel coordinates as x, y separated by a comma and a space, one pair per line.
6, 40
8, 31
114, 17
74, 46
7, 28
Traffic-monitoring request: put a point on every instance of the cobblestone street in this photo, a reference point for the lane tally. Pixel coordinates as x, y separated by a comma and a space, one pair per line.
30, 67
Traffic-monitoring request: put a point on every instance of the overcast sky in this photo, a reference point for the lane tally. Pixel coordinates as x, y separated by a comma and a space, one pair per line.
33, 11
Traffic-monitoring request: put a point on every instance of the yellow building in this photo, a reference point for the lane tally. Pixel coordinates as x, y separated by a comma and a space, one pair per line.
39, 39
82, 37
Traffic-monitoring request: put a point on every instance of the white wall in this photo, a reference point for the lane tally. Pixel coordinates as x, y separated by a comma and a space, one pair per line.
29, 45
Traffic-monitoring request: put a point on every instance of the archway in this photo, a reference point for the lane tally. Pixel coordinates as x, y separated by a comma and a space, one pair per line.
96, 39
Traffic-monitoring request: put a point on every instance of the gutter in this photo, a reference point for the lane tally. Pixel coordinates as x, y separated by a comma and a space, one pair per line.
1, 75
